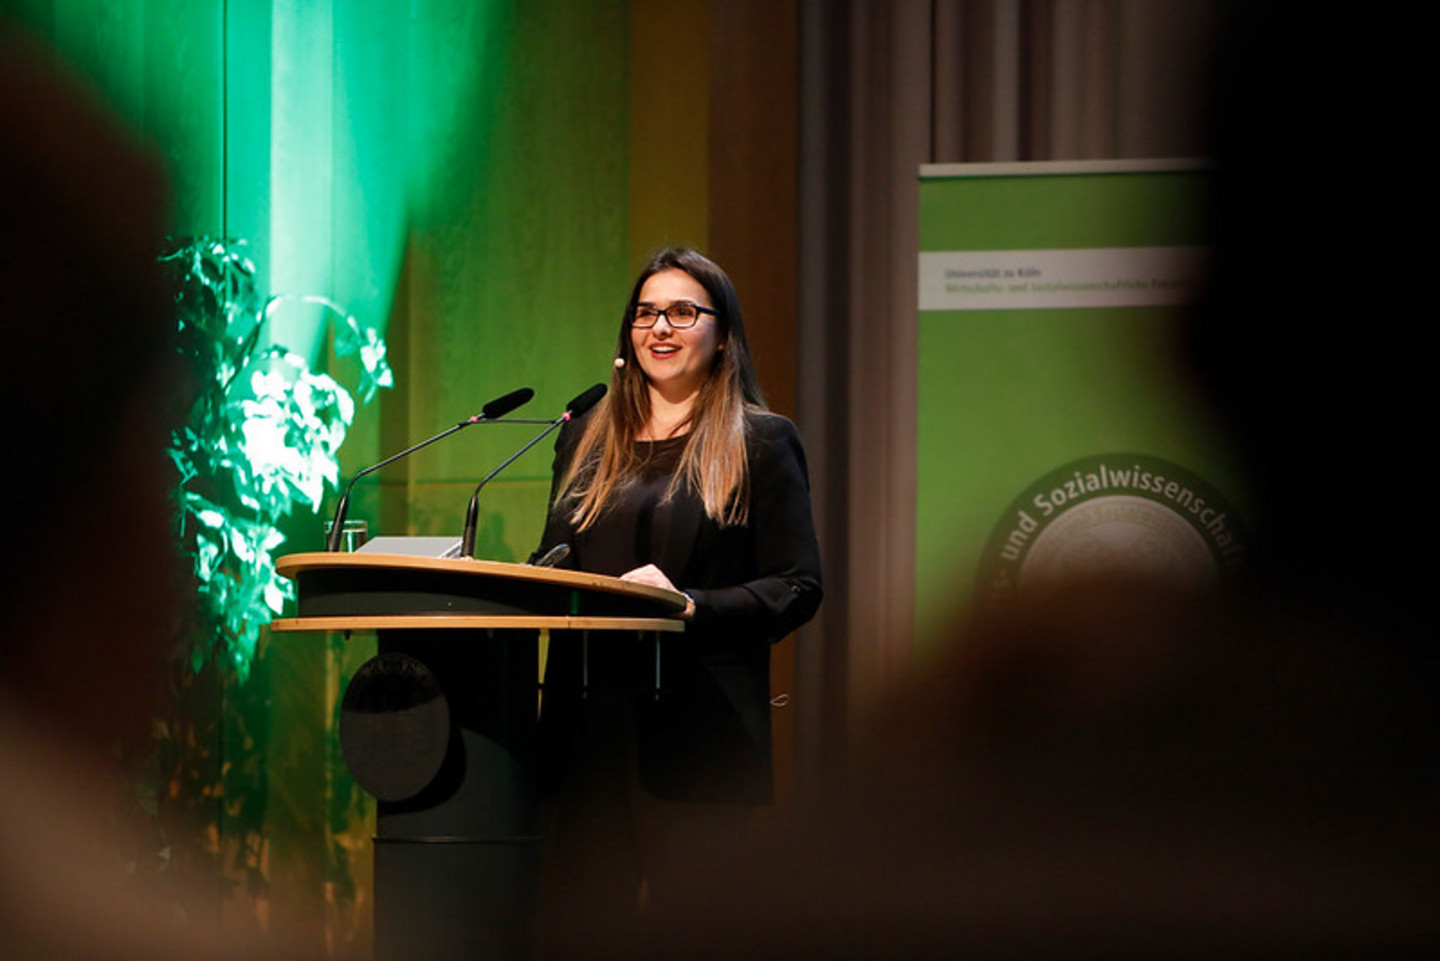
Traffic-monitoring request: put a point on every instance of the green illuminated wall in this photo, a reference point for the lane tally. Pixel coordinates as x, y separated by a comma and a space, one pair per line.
514, 254
454, 170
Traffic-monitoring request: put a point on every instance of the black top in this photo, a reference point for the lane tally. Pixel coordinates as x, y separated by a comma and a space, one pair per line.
634, 529
707, 737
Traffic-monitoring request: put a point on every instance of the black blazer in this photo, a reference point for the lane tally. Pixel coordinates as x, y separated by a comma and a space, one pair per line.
707, 737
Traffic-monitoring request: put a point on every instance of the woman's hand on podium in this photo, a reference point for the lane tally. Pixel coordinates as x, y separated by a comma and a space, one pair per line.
655, 577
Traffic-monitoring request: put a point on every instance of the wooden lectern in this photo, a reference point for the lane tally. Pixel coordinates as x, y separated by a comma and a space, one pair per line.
441, 727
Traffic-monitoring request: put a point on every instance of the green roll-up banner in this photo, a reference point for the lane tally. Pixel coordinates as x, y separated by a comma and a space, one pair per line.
1057, 431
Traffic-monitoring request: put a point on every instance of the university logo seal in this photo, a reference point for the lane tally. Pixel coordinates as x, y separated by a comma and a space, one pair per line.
1112, 514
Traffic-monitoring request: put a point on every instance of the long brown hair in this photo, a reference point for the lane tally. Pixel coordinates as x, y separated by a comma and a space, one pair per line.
714, 461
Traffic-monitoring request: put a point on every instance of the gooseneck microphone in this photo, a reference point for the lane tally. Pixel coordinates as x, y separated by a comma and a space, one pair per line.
494, 410
575, 408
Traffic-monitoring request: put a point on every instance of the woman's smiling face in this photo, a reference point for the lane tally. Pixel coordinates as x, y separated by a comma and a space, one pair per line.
675, 362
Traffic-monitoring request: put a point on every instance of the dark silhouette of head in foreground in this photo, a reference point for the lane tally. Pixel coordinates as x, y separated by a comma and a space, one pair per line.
87, 611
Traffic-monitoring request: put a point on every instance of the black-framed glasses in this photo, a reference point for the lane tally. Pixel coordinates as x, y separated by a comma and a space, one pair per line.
682, 315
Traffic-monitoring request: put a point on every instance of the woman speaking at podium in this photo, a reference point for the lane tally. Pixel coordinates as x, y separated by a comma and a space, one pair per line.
680, 478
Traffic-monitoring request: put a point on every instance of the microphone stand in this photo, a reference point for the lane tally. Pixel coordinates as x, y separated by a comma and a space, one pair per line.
492, 412
472, 511
587, 399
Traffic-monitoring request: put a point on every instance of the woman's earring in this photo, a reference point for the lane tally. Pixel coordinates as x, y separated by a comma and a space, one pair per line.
619, 362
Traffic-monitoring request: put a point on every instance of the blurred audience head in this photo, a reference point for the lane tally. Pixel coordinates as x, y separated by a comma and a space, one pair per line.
85, 339
1308, 342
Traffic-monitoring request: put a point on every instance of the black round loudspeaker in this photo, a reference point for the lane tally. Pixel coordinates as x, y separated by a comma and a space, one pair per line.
394, 726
